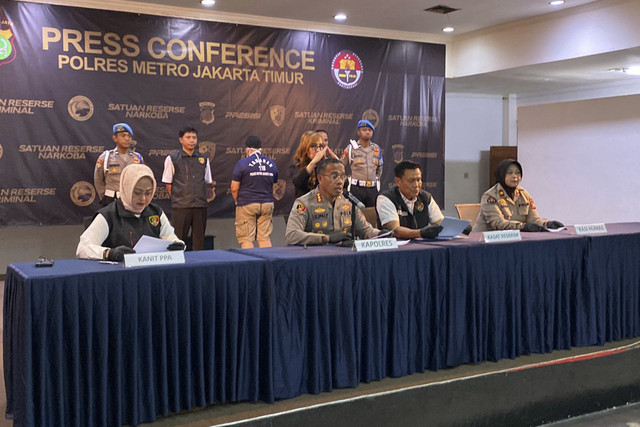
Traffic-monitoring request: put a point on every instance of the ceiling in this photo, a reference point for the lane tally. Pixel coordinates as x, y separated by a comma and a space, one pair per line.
409, 16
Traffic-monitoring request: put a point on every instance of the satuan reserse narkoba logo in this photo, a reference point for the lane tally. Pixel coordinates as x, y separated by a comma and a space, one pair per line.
82, 193
206, 112
7, 48
279, 189
347, 69
80, 108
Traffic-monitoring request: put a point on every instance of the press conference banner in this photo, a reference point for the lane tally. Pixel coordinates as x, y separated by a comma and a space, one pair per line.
68, 74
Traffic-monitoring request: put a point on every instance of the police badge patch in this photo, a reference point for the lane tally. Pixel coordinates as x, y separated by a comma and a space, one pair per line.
300, 208
154, 220
208, 148
206, 112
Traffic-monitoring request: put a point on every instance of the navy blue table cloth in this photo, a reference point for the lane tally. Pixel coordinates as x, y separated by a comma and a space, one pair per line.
89, 344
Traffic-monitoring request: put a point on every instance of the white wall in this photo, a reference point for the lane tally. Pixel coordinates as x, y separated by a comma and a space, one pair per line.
473, 123
580, 159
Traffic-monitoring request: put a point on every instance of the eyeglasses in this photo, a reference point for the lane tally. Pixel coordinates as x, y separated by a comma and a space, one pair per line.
317, 147
335, 175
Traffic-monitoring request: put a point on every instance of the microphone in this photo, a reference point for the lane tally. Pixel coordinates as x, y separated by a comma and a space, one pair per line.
353, 199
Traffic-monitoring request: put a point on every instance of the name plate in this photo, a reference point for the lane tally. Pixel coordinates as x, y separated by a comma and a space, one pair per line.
591, 228
376, 244
154, 258
501, 236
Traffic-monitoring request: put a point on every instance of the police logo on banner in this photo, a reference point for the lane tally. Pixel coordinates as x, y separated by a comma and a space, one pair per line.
7, 49
80, 108
277, 113
82, 193
398, 152
372, 116
206, 112
347, 69
208, 148
279, 189
211, 192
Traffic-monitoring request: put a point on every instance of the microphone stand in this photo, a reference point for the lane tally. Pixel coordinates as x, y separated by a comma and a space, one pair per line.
353, 221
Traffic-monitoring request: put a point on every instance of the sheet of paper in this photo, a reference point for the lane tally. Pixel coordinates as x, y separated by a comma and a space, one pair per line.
148, 244
452, 227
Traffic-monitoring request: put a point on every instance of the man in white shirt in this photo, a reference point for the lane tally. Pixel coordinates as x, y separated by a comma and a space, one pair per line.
406, 209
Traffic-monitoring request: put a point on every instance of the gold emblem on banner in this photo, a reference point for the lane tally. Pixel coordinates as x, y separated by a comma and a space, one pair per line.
277, 113
279, 189
82, 193
208, 148
372, 116
206, 112
80, 108
211, 192
398, 152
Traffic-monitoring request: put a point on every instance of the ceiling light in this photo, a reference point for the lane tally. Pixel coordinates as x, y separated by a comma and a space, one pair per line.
448, 29
556, 2
340, 17
633, 70
207, 2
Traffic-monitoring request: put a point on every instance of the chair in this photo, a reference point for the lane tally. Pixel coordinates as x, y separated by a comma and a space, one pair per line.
468, 211
371, 215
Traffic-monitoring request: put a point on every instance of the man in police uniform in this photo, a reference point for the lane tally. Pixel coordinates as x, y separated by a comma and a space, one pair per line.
407, 210
323, 215
364, 159
187, 175
106, 175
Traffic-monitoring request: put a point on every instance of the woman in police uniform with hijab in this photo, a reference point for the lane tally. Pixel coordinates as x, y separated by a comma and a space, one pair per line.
116, 228
507, 206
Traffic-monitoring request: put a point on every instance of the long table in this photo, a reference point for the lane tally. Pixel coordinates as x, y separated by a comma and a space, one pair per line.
93, 344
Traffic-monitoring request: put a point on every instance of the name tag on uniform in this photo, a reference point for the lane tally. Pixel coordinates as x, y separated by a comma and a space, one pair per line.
154, 258
591, 228
501, 236
376, 244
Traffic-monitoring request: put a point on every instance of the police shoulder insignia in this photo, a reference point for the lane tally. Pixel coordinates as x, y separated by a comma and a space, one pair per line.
533, 205
319, 197
100, 161
345, 207
491, 200
154, 220
300, 208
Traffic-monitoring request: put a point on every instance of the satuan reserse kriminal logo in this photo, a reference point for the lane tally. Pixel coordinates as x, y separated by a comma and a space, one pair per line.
347, 69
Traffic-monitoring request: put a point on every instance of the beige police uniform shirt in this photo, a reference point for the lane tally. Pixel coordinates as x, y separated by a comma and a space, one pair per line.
109, 179
312, 216
499, 212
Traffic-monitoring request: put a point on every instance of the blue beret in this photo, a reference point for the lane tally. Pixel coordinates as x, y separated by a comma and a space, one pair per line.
122, 127
366, 124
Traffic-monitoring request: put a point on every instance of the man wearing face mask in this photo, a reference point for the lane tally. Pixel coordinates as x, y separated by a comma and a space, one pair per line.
116, 228
507, 206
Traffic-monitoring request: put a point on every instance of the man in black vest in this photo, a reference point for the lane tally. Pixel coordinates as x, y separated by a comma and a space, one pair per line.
187, 175
406, 209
